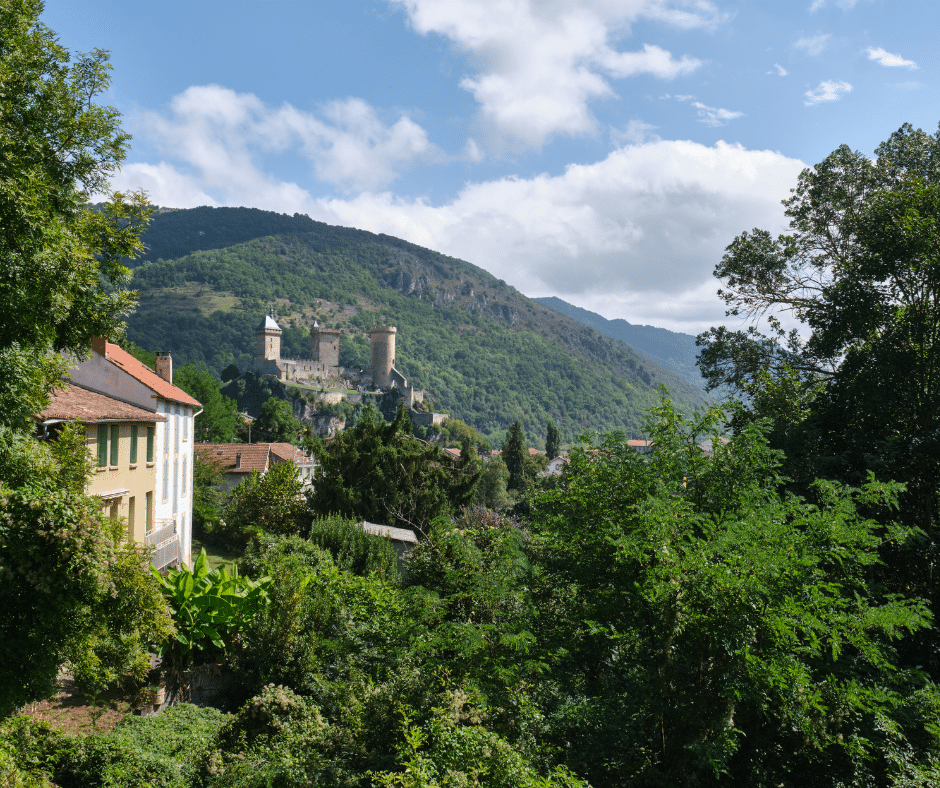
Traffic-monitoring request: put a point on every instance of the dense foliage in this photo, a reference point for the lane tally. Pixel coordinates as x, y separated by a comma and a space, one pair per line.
377, 471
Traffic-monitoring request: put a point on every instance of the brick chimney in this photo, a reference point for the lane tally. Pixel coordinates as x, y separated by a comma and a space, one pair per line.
238, 462
164, 365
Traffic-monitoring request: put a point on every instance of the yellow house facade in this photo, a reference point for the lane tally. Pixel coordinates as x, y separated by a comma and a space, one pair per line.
121, 439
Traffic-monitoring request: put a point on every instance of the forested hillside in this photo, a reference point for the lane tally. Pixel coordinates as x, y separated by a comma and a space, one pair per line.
673, 350
484, 352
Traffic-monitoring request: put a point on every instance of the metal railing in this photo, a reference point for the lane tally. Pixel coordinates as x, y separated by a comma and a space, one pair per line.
166, 542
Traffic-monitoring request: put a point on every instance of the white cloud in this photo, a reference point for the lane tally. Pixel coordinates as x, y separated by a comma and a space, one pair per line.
845, 5
779, 70
211, 128
887, 59
813, 45
539, 64
645, 226
636, 133
827, 91
713, 116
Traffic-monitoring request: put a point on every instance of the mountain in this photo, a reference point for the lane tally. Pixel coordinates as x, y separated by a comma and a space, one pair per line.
674, 351
484, 352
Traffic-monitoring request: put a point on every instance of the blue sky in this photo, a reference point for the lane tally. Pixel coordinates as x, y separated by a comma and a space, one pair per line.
603, 151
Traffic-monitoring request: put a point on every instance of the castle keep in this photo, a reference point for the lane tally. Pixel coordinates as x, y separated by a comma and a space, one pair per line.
322, 368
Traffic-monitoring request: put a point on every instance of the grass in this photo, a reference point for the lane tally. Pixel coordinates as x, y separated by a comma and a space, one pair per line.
216, 555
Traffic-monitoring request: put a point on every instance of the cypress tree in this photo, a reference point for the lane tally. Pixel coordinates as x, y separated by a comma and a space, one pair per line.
515, 454
552, 441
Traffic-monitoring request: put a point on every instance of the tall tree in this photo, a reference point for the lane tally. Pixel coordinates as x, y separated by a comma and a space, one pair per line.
860, 268
61, 265
65, 577
516, 454
277, 422
552, 441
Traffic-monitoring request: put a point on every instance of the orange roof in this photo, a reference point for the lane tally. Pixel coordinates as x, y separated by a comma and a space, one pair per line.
237, 457
140, 371
253, 457
73, 403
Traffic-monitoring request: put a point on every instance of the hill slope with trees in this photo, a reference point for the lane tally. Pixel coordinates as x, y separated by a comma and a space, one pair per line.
484, 352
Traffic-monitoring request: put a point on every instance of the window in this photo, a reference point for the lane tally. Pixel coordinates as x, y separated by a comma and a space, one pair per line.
185, 424
168, 432
184, 477
166, 478
102, 445
115, 444
148, 512
150, 433
131, 512
133, 444
176, 418
176, 480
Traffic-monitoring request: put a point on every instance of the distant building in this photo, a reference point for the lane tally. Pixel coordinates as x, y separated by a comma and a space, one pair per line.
115, 373
239, 460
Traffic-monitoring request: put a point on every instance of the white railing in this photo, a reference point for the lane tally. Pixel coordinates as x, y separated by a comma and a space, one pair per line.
166, 542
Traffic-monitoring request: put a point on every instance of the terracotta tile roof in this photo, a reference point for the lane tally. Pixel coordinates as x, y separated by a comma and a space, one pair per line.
253, 457
143, 373
287, 451
73, 403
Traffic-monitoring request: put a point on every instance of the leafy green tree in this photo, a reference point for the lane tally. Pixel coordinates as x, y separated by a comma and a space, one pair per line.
381, 473
272, 502
219, 421
552, 441
230, 373
58, 258
516, 454
492, 489
861, 391
715, 628
208, 476
277, 422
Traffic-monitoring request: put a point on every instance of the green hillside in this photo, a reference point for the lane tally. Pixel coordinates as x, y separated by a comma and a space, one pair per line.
675, 351
485, 353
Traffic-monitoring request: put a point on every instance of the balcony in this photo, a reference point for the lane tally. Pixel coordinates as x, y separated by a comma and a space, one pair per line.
166, 543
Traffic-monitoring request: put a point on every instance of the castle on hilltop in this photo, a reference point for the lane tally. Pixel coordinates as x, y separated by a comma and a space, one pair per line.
323, 367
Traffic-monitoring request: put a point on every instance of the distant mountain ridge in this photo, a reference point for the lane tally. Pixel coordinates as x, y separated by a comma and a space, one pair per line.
484, 352
673, 350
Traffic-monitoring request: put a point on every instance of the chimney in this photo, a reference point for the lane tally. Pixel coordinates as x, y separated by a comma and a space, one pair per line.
164, 365
100, 346
238, 462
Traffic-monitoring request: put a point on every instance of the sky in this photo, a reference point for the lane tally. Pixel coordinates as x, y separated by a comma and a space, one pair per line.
602, 151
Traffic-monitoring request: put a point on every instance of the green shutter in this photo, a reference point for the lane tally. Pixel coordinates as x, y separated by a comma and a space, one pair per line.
133, 444
150, 431
102, 445
115, 433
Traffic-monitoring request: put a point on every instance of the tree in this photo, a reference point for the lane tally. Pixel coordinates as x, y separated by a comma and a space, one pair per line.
61, 277
713, 629
277, 422
272, 502
230, 373
380, 472
61, 266
515, 454
859, 268
220, 419
552, 441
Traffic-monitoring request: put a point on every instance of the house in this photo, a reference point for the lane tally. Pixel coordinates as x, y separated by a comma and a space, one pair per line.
115, 373
122, 440
238, 460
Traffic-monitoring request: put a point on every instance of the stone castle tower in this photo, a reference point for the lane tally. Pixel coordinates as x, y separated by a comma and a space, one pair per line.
268, 342
382, 345
324, 345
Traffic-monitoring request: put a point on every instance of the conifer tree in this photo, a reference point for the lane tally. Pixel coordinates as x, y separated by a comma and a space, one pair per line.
552, 441
515, 454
